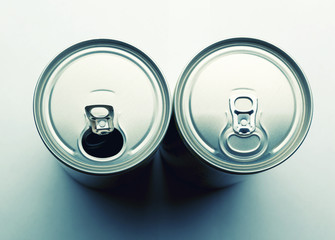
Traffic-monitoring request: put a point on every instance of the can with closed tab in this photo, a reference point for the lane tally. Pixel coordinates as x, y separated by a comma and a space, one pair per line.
241, 106
102, 108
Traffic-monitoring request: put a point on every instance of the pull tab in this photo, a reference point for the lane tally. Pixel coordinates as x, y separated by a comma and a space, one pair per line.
241, 140
101, 118
243, 109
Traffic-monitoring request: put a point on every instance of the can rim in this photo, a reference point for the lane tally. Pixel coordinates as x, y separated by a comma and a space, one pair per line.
166, 109
246, 41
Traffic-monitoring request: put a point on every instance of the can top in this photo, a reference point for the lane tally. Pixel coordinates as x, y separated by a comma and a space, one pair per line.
243, 105
97, 89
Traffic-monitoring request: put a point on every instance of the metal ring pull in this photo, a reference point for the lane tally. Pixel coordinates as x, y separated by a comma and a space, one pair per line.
101, 118
243, 139
243, 109
102, 139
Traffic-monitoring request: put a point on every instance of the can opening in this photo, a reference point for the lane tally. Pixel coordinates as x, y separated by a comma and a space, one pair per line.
102, 146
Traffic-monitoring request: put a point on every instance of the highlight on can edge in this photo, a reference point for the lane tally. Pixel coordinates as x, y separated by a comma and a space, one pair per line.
241, 106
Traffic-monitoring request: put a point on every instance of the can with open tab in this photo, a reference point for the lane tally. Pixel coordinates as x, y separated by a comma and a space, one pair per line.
102, 108
241, 106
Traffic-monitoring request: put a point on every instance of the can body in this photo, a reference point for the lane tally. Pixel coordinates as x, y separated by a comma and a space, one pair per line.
241, 107
112, 181
102, 108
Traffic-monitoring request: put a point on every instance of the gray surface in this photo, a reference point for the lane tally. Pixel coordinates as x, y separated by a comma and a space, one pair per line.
39, 201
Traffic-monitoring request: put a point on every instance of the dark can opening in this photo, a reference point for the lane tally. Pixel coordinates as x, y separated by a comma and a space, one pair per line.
102, 146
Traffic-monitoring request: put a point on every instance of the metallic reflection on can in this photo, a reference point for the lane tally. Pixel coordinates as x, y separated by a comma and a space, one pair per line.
102, 108
241, 106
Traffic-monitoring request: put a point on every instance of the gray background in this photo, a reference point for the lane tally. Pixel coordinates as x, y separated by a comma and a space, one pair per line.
39, 201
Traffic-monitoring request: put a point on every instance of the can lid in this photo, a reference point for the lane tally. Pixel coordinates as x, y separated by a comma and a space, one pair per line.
102, 106
243, 105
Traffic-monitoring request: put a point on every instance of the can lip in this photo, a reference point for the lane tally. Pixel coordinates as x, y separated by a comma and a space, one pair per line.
245, 41
160, 132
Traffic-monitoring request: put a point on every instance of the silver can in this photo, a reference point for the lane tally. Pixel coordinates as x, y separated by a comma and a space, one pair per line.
102, 108
241, 106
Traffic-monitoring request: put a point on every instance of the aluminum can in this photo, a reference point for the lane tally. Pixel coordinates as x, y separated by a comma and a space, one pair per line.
102, 108
241, 106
